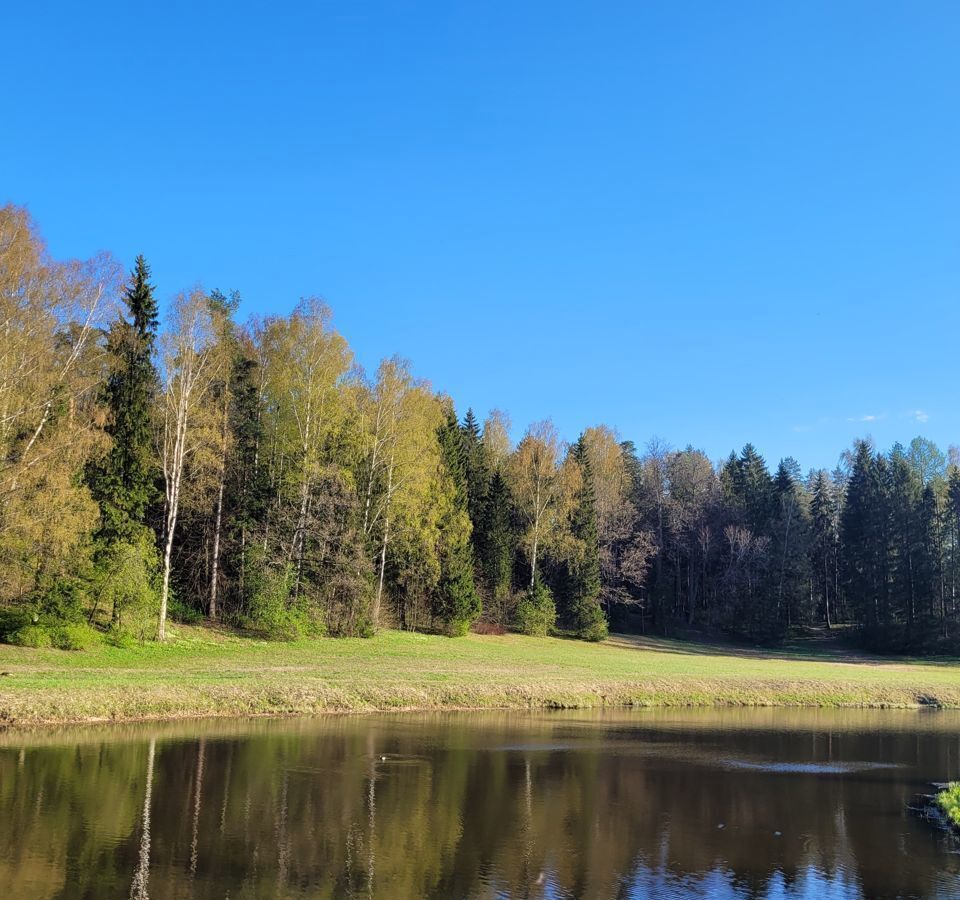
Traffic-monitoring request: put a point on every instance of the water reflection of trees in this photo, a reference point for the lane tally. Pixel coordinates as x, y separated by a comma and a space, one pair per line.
460, 809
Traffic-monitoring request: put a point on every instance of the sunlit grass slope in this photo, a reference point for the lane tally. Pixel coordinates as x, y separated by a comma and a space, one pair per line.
202, 672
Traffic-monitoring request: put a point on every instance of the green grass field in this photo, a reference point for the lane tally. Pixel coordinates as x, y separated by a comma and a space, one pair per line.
203, 672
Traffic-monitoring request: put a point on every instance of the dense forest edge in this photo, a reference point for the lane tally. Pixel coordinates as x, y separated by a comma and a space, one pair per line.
252, 476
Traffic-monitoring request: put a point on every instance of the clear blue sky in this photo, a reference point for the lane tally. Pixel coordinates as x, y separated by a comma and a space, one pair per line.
711, 222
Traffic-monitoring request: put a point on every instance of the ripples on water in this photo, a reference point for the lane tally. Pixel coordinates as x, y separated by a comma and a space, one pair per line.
713, 804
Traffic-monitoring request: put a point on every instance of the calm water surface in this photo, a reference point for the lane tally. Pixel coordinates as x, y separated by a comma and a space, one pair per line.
718, 804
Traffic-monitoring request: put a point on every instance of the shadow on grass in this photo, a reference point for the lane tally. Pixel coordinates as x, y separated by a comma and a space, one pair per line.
828, 649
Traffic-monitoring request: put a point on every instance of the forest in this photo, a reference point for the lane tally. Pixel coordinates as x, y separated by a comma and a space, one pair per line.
252, 474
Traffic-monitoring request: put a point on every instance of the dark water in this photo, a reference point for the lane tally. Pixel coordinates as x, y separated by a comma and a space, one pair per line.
761, 803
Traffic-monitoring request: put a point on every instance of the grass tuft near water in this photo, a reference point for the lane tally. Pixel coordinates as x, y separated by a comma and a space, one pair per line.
209, 672
949, 802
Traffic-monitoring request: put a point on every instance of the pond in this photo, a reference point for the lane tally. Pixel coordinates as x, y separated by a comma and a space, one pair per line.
698, 803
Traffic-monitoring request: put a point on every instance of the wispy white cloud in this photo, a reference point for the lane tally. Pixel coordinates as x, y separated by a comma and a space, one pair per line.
920, 416
870, 417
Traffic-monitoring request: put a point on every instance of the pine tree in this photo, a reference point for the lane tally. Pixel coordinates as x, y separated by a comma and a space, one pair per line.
457, 603
581, 611
124, 482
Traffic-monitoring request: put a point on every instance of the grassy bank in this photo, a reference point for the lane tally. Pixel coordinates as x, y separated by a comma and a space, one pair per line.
202, 672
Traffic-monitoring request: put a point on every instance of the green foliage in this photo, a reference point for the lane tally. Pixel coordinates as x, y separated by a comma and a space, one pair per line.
75, 636
126, 583
274, 612
498, 545
580, 610
949, 801
590, 624
456, 602
536, 613
124, 481
66, 600
14, 618
31, 636
179, 610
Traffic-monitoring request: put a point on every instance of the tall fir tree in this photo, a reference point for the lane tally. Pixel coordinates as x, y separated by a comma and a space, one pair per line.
906, 489
499, 547
580, 609
477, 471
124, 482
457, 603
824, 545
791, 533
865, 534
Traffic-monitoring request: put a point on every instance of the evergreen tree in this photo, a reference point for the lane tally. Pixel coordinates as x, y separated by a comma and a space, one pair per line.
906, 488
499, 547
755, 490
824, 544
931, 564
457, 603
581, 611
124, 482
477, 472
865, 534
791, 542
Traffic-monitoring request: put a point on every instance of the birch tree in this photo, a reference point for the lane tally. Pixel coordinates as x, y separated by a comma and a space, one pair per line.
190, 366
535, 479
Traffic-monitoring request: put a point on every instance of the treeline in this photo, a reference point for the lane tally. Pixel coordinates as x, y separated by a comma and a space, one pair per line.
253, 474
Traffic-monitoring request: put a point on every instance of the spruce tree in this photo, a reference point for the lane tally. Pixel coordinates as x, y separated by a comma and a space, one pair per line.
791, 542
477, 471
457, 603
906, 489
124, 482
824, 544
865, 534
498, 550
581, 595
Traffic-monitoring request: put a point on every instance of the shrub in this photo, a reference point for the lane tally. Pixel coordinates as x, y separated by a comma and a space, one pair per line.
536, 612
181, 612
12, 620
117, 637
591, 623
269, 610
126, 585
64, 601
75, 637
31, 636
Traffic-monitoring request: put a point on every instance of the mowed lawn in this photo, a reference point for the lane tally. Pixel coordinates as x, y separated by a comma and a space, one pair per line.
206, 672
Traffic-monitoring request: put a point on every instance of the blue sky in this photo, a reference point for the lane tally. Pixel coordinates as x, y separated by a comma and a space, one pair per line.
711, 222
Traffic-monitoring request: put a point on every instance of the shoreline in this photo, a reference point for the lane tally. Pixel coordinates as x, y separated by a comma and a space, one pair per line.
203, 674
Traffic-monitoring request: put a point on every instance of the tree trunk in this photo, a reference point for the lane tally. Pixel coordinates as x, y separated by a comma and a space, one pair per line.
215, 573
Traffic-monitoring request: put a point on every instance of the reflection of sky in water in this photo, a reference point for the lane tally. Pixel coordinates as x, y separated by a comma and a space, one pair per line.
646, 883
800, 768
